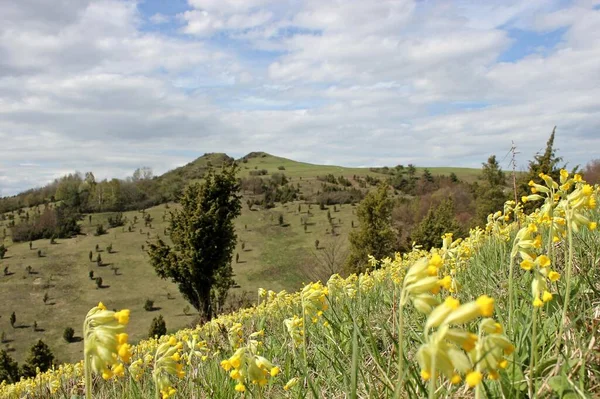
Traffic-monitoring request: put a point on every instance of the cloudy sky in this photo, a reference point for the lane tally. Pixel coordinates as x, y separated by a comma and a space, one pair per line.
109, 86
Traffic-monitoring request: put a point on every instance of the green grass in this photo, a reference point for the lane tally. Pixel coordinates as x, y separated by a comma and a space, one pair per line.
351, 350
311, 171
278, 257
275, 257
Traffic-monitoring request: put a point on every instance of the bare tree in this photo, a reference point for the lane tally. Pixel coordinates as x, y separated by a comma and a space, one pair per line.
327, 260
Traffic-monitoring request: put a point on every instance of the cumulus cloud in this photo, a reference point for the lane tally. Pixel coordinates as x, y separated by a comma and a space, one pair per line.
88, 86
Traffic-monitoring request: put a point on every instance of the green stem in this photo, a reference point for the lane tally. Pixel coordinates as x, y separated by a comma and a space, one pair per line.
510, 293
157, 394
568, 283
433, 374
478, 356
304, 340
87, 372
400, 344
532, 359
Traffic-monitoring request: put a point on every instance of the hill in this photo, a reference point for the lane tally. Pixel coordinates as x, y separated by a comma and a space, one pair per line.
280, 257
511, 310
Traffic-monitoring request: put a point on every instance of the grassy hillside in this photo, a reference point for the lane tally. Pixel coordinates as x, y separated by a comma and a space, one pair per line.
274, 256
261, 160
510, 311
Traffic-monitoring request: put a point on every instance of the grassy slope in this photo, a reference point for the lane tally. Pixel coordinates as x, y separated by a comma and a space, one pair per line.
355, 357
297, 169
275, 257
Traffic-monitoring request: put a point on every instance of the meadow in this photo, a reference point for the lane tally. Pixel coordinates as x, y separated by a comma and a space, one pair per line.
510, 311
281, 257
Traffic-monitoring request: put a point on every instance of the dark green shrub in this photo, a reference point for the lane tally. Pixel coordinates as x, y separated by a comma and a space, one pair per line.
116, 220
40, 356
158, 328
9, 369
69, 334
100, 230
149, 305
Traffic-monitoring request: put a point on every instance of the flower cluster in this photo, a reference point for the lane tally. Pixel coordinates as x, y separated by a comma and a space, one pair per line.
105, 341
452, 351
527, 245
166, 365
314, 300
421, 283
245, 366
295, 328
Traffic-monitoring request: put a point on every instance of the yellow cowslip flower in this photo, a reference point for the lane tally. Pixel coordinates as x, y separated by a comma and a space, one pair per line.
437, 316
166, 365
464, 339
314, 300
473, 378
295, 327
235, 333
136, 369
105, 341
436, 261
122, 316
543, 261
239, 387
527, 264
483, 306
546, 296
419, 283
290, 384
248, 367
168, 392
425, 303
226, 364
553, 276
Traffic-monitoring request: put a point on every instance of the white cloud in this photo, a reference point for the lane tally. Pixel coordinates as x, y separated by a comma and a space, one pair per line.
84, 87
159, 18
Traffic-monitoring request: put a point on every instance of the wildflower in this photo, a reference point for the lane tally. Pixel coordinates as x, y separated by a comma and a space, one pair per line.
295, 327
483, 306
473, 378
166, 365
105, 341
239, 387
290, 384
248, 367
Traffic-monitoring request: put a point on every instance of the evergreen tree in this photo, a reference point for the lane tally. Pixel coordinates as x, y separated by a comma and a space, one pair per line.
203, 238
490, 194
9, 369
439, 220
158, 327
375, 235
40, 356
547, 163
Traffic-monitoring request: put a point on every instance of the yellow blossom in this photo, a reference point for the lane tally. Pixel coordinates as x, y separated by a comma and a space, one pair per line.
473, 378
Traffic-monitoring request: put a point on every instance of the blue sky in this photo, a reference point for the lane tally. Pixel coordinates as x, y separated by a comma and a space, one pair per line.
112, 85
